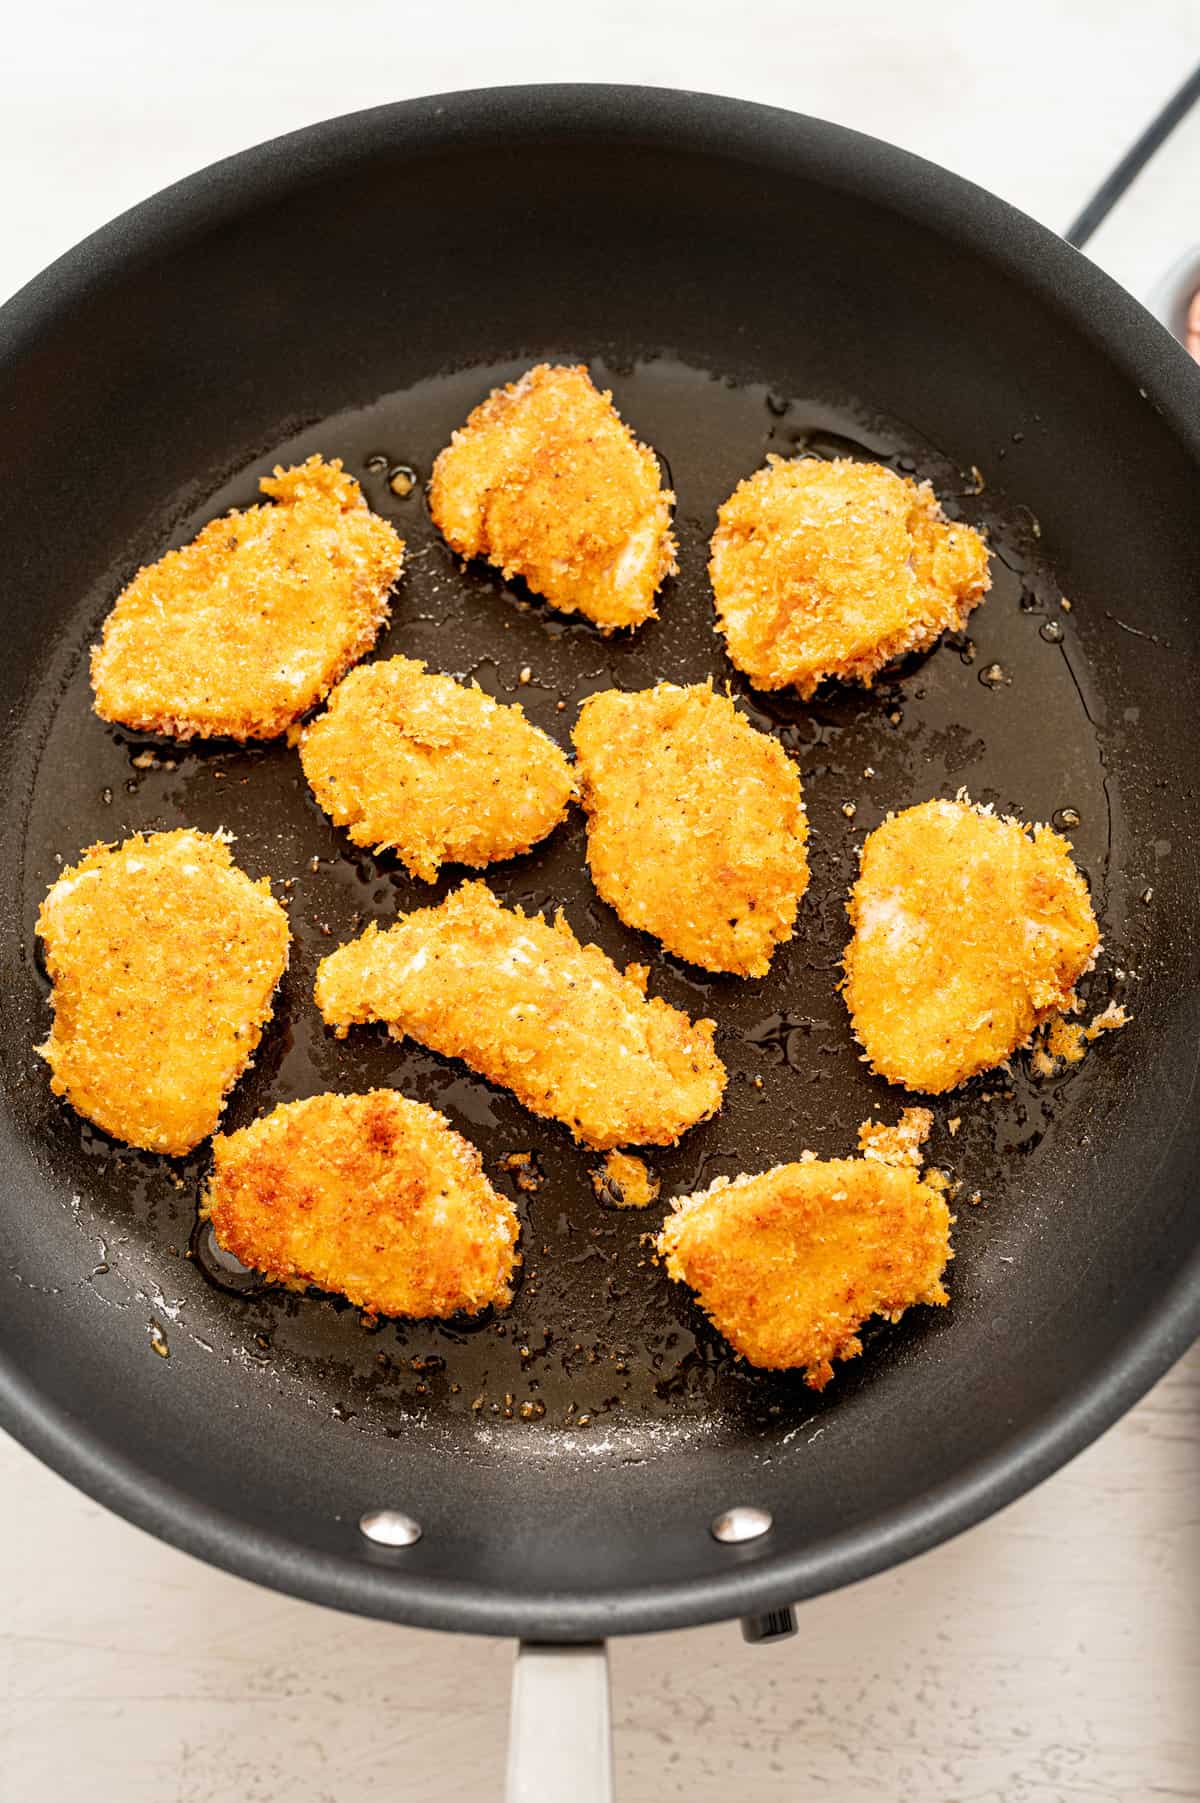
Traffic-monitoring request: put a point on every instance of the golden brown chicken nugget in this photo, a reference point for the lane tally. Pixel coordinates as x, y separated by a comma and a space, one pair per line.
547, 482
243, 630
526, 1005
439, 773
696, 823
836, 569
164, 958
788, 1265
370, 1195
969, 930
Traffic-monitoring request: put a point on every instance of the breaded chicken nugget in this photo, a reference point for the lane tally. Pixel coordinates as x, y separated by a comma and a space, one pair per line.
836, 569
164, 958
969, 929
243, 630
788, 1265
696, 823
430, 769
527, 1006
372, 1196
548, 483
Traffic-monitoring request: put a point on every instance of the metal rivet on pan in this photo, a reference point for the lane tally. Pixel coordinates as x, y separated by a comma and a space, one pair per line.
389, 1527
743, 1523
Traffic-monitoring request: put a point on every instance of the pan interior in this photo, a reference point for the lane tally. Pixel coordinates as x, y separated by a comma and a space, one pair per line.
597, 1338
535, 1445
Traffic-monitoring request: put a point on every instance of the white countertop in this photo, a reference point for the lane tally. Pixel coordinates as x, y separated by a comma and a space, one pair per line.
1050, 1654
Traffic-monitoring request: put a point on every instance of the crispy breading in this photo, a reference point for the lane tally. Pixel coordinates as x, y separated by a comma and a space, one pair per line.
529, 1007
836, 569
969, 930
625, 1181
696, 823
370, 1195
164, 958
243, 630
902, 1144
788, 1265
547, 482
438, 772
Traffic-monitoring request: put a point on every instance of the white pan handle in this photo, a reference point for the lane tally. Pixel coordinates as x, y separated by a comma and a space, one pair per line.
560, 1737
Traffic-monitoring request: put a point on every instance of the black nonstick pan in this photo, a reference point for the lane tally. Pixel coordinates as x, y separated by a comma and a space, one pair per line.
745, 281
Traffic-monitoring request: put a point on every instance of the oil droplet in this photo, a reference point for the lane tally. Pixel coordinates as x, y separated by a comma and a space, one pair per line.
994, 676
1065, 817
106, 796
377, 463
1147, 896
1052, 632
532, 1411
402, 479
158, 1341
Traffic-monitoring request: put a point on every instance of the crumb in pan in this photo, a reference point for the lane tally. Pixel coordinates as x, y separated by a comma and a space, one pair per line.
433, 769
902, 1144
164, 958
836, 569
372, 1196
696, 823
243, 630
1065, 1042
625, 1181
970, 929
547, 483
526, 1005
788, 1265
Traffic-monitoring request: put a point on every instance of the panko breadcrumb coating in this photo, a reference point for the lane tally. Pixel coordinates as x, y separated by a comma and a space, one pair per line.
526, 1005
439, 773
969, 930
547, 482
902, 1144
836, 569
370, 1195
696, 823
788, 1265
164, 958
243, 630
625, 1181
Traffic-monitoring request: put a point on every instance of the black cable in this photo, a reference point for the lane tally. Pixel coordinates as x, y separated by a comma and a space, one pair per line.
1133, 162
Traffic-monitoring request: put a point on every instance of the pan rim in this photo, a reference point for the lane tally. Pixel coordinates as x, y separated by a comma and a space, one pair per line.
1061, 278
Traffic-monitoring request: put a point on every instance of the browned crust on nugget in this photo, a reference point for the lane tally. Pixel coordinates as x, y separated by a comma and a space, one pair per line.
247, 627
969, 930
525, 1004
547, 483
836, 570
164, 958
373, 1196
432, 769
696, 823
788, 1265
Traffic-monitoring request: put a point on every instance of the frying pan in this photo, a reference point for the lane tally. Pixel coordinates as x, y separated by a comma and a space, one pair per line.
745, 281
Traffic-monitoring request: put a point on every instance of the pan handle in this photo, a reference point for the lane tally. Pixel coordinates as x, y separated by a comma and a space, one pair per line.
1141, 224
560, 1735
